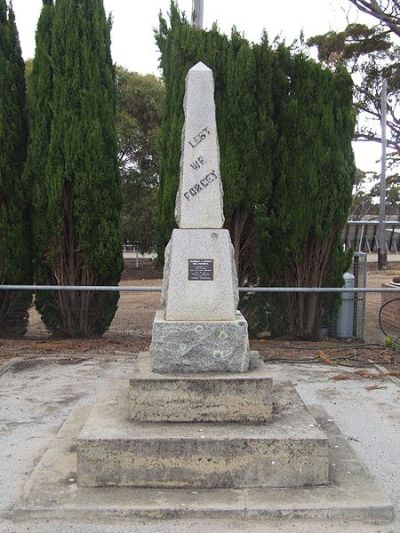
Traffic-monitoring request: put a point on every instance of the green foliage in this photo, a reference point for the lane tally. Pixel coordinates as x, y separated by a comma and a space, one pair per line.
139, 104
313, 180
40, 87
15, 260
370, 54
392, 344
74, 167
285, 128
367, 192
242, 76
348, 45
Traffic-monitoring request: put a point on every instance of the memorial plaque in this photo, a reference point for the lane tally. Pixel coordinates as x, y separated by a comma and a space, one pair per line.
201, 269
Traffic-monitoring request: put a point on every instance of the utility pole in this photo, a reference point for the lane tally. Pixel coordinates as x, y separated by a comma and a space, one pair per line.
382, 253
198, 13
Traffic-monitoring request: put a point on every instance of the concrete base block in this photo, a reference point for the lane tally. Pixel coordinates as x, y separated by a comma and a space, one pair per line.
291, 451
52, 492
241, 397
217, 346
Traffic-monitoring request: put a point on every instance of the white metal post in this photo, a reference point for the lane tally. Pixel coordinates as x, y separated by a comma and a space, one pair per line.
345, 320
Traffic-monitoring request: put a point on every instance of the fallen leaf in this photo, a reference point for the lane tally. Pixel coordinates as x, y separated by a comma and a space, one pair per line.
342, 377
325, 359
366, 374
375, 387
352, 438
391, 373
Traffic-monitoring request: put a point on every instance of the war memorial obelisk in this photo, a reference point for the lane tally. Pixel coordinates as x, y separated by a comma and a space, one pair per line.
199, 328
199, 409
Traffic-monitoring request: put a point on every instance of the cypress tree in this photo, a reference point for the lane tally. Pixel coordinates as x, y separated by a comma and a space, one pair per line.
15, 260
243, 126
285, 127
77, 194
40, 113
238, 135
312, 185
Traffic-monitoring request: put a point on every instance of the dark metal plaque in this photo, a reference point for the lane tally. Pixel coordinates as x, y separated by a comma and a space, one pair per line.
201, 269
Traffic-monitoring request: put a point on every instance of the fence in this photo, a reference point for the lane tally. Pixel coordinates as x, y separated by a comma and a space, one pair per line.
362, 236
360, 272
138, 304
359, 235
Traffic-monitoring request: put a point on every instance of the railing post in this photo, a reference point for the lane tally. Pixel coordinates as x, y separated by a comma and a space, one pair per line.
344, 325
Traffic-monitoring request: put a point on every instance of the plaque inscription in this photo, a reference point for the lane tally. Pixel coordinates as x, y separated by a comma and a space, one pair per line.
201, 269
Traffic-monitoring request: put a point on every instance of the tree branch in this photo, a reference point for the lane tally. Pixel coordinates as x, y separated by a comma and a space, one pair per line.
372, 8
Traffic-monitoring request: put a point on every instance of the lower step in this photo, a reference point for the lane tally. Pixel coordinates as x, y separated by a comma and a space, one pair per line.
291, 451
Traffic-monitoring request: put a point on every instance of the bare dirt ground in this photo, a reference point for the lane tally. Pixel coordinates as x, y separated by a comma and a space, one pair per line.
130, 332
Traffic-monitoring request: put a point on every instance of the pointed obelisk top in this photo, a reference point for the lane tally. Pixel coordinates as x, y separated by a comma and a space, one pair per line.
200, 66
199, 202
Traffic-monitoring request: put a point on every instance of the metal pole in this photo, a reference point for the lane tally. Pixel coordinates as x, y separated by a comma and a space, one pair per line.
126, 288
382, 251
198, 13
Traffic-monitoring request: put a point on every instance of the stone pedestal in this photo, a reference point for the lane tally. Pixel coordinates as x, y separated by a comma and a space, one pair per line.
200, 281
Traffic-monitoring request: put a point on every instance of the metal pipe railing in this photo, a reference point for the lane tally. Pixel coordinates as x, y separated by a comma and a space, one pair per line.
87, 288
318, 289
123, 288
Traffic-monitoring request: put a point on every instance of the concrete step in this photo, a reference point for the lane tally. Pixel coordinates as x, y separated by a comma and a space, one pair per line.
225, 397
290, 451
352, 495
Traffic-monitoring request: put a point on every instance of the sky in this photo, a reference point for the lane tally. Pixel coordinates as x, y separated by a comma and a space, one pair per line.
133, 44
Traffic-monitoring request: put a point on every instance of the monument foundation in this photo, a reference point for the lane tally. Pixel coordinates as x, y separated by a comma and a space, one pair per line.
206, 397
289, 450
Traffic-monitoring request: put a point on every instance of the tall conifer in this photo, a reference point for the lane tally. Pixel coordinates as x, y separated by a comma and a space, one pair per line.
285, 126
241, 133
40, 113
77, 194
312, 186
15, 260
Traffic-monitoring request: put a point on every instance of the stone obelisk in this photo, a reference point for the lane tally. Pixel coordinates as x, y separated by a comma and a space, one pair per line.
199, 328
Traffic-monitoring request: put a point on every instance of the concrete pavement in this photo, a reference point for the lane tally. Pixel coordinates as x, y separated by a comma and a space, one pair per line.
36, 398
